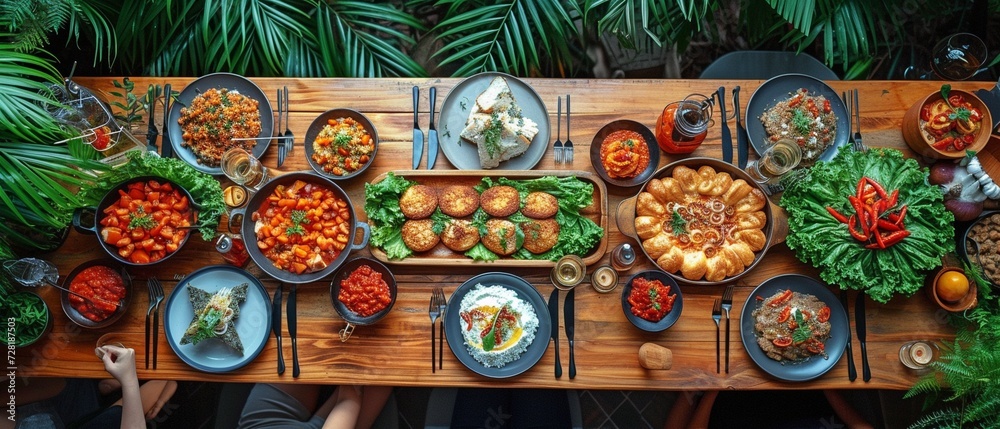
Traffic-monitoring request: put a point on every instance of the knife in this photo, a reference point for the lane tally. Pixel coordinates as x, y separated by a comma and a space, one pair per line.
166, 149
276, 325
741, 136
291, 332
554, 317
151, 131
432, 135
852, 372
727, 138
418, 136
568, 313
859, 320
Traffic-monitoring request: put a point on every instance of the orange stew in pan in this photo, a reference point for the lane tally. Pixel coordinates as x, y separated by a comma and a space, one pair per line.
303, 227
145, 223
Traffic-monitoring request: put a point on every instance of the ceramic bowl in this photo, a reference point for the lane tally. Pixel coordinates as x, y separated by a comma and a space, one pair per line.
317, 126
918, 140
968, 301
79, 319
670, 318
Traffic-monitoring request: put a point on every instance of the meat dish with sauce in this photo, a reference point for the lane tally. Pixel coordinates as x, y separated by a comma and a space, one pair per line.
792, 326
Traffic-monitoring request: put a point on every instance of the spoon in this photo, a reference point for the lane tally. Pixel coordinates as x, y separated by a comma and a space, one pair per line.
33, 272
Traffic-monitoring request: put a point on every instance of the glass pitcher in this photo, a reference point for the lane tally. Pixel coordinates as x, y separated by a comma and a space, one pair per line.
683, 124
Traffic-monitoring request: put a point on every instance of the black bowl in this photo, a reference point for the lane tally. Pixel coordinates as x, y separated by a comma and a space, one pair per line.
670, 318
625, 124
345, 271
317, 126
964, 243
75, 315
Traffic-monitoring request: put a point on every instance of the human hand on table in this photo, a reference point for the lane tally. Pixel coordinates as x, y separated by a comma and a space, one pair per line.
119, 362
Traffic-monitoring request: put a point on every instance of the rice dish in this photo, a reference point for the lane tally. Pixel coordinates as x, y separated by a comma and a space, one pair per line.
497, 325
806, 119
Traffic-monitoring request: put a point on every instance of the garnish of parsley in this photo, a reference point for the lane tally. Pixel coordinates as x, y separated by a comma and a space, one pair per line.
140, 219
298, 219
678, 224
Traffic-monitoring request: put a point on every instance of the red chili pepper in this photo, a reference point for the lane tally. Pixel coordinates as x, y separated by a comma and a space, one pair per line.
894, 198
878, 239
895, 237
850, 227
859, 208
861, 188
878, 188
836, 215
893, 217
887, 225
902, 215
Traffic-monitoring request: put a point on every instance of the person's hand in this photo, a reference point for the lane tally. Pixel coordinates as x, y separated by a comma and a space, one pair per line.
119, 362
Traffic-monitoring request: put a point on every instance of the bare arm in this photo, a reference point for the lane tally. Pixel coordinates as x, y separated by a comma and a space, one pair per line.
120, 363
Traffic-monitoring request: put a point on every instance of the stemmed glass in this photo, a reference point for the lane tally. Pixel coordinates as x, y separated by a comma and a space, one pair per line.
956, 57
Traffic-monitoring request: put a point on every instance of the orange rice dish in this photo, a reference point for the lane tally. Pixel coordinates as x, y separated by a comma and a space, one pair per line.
213, 119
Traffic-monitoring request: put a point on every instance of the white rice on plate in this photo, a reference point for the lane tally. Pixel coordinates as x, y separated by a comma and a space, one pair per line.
513, 332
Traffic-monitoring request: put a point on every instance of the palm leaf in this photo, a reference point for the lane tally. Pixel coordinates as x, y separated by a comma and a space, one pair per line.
25, 80
358, 39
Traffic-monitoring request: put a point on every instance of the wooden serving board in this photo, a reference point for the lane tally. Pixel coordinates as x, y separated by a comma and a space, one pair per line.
443, 256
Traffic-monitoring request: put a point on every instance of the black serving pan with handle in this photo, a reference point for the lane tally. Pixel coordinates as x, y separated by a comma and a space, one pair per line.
968, 248
97, 214
245, 215
349, 316
625, 214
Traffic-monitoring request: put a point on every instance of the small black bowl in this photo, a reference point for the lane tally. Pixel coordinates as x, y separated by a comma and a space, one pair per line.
317, 126
75, 315
670, 318
345, 270
650, 140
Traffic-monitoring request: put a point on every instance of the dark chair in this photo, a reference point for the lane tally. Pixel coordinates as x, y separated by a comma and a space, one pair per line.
765, 65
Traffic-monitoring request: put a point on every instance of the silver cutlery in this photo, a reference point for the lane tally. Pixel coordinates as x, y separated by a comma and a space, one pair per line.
432, 135
717, 317
276, 325
289, 136
442, 306
858, 144
568, 314
166, 149
568, 146
727, 304
861, 325
434, 311
155, 298
742, 148
557, 147
292, 330
727, 137
418, 135
554, 320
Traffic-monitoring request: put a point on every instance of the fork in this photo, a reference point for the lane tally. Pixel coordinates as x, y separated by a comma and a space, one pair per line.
442, 305
717, 317
557, 147
727, 304
155, 298
434, 311
858, 145
289, 136
568, 146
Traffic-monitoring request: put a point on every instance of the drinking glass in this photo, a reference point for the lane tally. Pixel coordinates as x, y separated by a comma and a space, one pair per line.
958, 57
917, 354
109, 339
243, 168
568, 272
779, 158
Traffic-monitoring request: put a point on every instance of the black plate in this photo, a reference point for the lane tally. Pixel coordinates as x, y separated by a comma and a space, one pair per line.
779, 88
815, 366
963, 244
625, 124
455, 112
317, 126
75, 316
265, 264
219, 80
670, 318
253, 325
346, 270
453, 325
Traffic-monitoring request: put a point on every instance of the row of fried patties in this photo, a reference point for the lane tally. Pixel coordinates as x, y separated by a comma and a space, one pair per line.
540, 230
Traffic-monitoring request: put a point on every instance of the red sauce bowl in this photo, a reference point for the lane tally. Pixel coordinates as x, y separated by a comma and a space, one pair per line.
670, 318
95, 274
343, 273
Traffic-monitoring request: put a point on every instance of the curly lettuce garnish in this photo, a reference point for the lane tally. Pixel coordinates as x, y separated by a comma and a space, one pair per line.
819, 239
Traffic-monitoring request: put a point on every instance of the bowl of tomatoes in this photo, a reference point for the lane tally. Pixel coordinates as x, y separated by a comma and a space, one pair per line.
363, 291
101, 291
142, 221
946, 124
652, 301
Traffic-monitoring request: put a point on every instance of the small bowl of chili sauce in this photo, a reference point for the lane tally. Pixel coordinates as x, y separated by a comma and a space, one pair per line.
652, 301
106, 282
363, 291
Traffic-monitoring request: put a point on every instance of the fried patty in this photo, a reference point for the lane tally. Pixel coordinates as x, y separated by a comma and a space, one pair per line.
460, 235
501, 236
419, 235
540, 205
418, 201
540, 235
500, 201
458, 200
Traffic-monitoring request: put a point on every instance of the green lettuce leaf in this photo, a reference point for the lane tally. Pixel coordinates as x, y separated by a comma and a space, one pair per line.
384, 215
479, 252
820, 240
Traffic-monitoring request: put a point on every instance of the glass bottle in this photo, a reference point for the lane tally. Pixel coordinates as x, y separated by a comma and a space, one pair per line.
233, 249
683, 125
623, 257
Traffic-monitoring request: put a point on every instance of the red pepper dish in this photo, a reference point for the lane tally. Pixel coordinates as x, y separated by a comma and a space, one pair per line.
145, 223
364, 291
950, 124
650, 299
103, 286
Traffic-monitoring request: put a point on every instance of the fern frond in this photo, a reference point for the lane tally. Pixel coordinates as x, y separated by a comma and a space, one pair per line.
941, 419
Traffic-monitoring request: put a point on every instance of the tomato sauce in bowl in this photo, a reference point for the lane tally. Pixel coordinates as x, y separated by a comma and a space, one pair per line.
103, 286
364, 291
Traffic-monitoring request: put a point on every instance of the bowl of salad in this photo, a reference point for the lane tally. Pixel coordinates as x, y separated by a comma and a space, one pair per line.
341, 143
947, 123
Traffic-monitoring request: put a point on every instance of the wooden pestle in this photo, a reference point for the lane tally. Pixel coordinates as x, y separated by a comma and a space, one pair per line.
652, 356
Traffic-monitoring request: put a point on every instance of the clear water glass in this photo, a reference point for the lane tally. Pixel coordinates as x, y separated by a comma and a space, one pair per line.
243, 168
779, 158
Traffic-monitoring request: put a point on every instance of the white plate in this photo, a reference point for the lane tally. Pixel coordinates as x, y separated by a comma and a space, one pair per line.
455, 111
253, 325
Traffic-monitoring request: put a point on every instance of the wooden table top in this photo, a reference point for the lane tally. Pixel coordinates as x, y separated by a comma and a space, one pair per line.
395, 350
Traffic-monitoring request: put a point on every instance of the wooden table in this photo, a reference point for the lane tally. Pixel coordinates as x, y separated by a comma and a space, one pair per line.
395, 350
